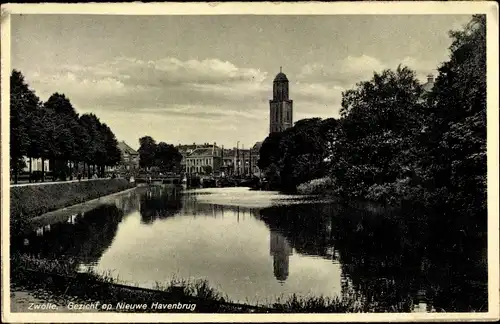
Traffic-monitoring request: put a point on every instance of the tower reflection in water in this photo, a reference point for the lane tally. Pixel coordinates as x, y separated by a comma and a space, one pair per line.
281, 251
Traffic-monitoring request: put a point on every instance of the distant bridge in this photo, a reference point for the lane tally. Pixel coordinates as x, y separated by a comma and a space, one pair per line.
160, 180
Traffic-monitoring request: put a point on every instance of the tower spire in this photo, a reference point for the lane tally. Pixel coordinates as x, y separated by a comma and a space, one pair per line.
280, 69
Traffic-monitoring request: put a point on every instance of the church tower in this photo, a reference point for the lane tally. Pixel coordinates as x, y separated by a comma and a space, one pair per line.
281, 107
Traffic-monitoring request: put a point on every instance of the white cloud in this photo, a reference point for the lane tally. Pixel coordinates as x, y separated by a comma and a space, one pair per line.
77, 85
319, 91
209, 79
346, 72
213, 93
343, 71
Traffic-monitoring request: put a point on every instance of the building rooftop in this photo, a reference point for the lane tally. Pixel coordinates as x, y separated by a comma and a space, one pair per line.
125, 148
205, 152
429, 84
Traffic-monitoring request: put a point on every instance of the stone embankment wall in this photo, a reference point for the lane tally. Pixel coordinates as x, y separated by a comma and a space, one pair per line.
30, 201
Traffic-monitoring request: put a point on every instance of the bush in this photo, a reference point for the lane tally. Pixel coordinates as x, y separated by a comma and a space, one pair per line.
31, 201
395, 192
317, 186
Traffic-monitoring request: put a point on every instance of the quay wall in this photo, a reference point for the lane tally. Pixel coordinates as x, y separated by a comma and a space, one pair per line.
27, 202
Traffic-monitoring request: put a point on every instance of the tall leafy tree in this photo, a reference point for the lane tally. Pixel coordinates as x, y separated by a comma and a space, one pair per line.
81, 142
382, 120
54, 131
23, 105
95, 148
63, 117
147, 151
270, 151
456, 142
113, 154
167, 157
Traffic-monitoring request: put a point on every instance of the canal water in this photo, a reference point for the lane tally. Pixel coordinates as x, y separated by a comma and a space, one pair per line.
257, 246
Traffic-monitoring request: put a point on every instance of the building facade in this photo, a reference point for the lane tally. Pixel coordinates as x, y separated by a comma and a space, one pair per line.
129, 156
241, 162
200, 158
36, 165
204, 161
280, 107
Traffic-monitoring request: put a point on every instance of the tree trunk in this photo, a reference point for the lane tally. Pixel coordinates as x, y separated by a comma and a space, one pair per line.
67, 174
43, 169
16, 166
29, 179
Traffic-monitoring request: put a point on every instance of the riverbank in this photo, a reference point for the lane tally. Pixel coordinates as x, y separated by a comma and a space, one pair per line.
61, 215
60, 284
28, 202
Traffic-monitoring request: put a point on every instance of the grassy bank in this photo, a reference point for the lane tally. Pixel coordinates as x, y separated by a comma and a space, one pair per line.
27, 202
60, 280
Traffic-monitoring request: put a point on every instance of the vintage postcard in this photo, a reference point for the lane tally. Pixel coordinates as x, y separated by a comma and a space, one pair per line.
250, 162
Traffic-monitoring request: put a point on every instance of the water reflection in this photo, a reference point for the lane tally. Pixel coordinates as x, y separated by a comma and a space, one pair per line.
281, 251
151, 234
159, 203
308, 227
80, 238
396, 264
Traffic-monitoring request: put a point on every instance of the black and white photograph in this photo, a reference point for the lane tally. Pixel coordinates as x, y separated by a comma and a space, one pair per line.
267, 160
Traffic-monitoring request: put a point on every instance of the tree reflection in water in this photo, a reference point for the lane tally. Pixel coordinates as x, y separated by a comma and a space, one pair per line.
159, 203
83, 238
390, 263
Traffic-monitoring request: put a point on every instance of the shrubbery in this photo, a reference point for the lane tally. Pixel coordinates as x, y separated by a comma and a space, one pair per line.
395, 192
317, 187
31, 201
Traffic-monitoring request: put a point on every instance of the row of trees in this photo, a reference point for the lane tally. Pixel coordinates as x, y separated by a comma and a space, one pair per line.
165, 157
53, 131
395, 141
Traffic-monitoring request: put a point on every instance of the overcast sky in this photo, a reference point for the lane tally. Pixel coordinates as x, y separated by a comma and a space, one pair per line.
185, 79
